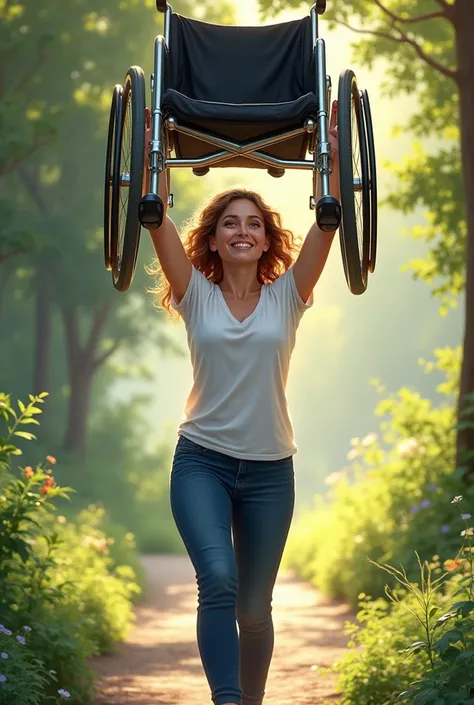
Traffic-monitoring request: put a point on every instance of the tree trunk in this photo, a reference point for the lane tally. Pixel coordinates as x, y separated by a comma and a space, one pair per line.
83, 362
43, 333
465, 66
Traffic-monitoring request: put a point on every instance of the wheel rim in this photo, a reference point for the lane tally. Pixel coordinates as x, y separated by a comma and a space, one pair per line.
125, 168
372, 179
114, 117
354, 178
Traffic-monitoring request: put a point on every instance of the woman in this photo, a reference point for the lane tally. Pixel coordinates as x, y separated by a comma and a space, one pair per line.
232, 480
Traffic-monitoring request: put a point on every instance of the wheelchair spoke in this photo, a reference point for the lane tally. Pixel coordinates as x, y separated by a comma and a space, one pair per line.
357, 171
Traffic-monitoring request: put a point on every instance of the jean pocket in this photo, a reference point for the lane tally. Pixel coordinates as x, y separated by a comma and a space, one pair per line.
190, 446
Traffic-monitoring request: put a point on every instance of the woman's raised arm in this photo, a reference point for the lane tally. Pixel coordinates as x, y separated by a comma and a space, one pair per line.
315, 250
169, 249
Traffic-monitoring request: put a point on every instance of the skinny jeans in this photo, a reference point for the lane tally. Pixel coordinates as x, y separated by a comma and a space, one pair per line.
233, 517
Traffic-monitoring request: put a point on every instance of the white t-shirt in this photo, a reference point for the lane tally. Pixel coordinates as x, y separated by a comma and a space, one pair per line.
237, 404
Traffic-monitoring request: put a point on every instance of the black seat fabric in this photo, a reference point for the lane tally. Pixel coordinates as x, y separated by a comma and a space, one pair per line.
241, 83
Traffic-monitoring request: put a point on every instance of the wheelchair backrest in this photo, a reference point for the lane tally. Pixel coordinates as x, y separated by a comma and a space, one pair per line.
228, 64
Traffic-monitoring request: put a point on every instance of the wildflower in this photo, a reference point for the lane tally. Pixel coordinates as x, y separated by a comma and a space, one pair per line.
4, 630
414, 509
4, 654
27, 628
64, 693
353, 454
425, 503
369, 439
333, 478
465, 516
3, 679
21, 639
457, 499
29, 472
48, 484
51, 459
355, 441
445, 529
468, 532
452, 564
408, 447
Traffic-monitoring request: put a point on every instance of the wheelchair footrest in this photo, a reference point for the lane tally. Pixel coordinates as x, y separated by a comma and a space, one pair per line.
150, 211
328, 213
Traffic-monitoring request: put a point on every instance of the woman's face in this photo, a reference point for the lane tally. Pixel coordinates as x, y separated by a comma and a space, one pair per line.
240, 233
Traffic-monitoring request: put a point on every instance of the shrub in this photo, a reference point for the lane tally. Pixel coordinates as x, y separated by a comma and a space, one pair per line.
436, 616
392, 500
62, 597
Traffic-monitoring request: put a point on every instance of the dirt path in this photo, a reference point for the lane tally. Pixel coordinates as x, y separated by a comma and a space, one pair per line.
159, 662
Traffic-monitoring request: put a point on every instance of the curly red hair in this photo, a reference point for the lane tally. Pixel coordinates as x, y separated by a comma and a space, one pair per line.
197, 231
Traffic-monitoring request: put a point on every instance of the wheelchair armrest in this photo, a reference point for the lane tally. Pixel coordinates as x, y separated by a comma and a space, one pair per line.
320, 6
161, 5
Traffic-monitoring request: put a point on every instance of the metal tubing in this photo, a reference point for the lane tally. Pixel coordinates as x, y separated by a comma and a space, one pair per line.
156, 155
323, 153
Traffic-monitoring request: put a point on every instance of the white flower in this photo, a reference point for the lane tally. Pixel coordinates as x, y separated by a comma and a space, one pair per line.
355, 441
408, 447
333, 478
89, 65
75, 75
468, 532
353, 454
369, 439
457, 499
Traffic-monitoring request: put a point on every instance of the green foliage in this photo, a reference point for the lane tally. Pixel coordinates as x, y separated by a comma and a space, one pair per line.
391, 500
417, 57
435, 614
63, 597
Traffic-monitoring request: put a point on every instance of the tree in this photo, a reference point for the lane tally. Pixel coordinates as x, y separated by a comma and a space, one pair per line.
431, 53
90, 50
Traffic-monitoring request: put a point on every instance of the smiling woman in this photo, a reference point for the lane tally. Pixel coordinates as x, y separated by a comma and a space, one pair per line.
234, 283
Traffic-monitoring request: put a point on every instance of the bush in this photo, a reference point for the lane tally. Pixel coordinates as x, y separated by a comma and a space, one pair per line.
391, 502
63, 598
436, 616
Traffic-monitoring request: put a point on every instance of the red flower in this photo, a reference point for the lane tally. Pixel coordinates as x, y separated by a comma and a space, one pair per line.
48, 484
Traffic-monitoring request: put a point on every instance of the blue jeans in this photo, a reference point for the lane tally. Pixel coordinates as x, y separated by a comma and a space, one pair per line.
233, 517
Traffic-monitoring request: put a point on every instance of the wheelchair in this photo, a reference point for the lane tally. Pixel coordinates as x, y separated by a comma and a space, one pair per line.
228, 96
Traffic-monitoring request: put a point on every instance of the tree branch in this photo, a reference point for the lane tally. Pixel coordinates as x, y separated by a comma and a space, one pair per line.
407, 20
403, 39
105, 356
14, 253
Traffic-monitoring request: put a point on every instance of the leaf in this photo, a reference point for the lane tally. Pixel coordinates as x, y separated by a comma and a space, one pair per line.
25, 434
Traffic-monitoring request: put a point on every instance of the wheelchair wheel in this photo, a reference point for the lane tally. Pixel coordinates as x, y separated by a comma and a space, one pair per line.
372, 179
111, 156
354, 175
127, 180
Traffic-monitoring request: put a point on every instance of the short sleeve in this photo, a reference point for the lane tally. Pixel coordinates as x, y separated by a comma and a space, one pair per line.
284, 288
198, 288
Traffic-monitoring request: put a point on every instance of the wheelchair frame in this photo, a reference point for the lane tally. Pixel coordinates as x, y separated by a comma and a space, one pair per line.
226, 149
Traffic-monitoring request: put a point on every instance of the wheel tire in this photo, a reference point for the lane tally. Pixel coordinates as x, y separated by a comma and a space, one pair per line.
372, 179
354, 249
110, 157
125, 230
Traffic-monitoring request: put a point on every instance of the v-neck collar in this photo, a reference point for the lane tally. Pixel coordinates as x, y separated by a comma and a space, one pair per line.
229, 312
